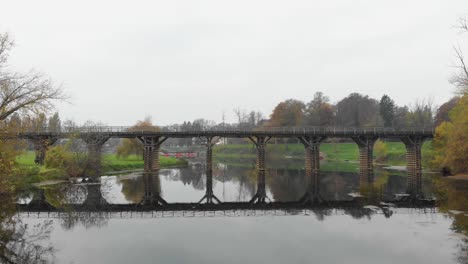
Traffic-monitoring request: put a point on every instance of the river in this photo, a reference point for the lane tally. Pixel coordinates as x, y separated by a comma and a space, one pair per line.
367, 231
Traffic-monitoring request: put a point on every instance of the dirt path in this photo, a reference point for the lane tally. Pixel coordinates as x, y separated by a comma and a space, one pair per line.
50, 182
459, 177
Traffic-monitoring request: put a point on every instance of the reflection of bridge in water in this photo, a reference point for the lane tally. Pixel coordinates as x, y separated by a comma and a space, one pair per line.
152, 203
321, 212
152, 138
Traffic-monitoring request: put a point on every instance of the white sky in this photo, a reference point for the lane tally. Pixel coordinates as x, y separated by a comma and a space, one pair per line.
181, 60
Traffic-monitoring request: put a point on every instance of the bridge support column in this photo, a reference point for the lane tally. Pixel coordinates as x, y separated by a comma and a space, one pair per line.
41, 145
366, 153
312, 168
413, 146
209, 195
94, 144
151, 146
260, 143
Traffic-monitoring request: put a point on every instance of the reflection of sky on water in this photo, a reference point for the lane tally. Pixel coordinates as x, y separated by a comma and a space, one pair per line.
406, 237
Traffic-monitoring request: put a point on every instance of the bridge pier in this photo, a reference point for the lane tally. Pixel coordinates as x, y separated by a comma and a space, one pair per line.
151, 146
41, 145
94, 144
413, 146
312, 168
366, 156
209, 195
260, 144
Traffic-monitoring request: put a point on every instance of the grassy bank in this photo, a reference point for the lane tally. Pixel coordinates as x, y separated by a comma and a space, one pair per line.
110, 163
396, 152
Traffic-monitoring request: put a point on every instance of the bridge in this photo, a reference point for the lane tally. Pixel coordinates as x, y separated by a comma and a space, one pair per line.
151, 139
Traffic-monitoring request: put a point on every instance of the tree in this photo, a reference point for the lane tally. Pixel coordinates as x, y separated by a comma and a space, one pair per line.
401, 115
457, 138
39, 123
287, 113
241, 116
460, 78
132, 146
381, 151
319, 112
25, 93
387, 110
72, 158
357, 110
55, 123
451, 139
439, 145
421, 113
443, 111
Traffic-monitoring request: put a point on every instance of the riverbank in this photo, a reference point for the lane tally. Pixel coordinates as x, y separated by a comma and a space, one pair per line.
348, 152
111, 164
463, 177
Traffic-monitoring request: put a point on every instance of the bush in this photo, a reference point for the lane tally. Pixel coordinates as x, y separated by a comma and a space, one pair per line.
56, 157
381, 151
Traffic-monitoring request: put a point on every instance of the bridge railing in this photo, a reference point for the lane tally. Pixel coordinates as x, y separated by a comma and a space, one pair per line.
230, 129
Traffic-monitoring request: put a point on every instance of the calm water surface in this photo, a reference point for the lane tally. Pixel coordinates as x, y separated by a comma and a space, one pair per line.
369, 233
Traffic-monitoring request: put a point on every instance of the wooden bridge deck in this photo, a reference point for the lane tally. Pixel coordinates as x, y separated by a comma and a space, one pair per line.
280, 132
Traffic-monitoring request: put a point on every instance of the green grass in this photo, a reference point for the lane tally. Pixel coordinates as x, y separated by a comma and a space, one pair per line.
347, 151
26, 158
110, 163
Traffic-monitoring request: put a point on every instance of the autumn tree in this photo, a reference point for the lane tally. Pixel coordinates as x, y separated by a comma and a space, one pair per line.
442, 113
130, 146
319, 111
387, 110
287, 113
381, 151
457, 137
450, 142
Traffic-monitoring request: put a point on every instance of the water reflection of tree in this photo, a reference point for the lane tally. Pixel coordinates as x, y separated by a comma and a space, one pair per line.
452, 196
20, 242
64, 196
286, 185
133, 189
245, 177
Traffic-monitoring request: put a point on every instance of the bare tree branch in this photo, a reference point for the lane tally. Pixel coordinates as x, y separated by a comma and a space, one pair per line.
463, 24
30, 92
460, 78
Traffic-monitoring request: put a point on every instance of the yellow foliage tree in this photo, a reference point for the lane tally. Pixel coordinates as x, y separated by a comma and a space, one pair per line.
451, 140
457, 140
130, 146
381, 151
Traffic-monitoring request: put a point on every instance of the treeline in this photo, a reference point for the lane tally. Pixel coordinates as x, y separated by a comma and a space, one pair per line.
355, 110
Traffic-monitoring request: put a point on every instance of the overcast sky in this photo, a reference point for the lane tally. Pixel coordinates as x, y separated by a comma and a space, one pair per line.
180, 60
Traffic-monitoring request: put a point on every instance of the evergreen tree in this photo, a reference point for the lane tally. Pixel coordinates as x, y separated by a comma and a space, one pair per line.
387, 110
